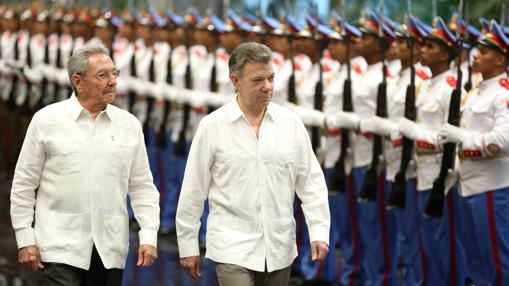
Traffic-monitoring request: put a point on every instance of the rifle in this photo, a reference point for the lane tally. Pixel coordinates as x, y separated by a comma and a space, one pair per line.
292, 98
180, 145
131, 94
435, 203
45, 82
339, 175
161, 140
11, 100
317, 105
368, 190
213, 84
397, 198
150, 100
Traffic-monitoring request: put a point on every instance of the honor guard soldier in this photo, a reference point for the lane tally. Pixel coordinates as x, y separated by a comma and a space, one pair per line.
440, 241
342, 199
54, 56
39, 57
377, 233
24, 57
8, 80
483, 136
123, 56
278, 39
143, 57
104, 31
232, 33
82, 28
469, 36
66, 43
401, 99
377, 226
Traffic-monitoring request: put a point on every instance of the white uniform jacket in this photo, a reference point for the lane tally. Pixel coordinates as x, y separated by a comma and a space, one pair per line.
432, 103
484, 152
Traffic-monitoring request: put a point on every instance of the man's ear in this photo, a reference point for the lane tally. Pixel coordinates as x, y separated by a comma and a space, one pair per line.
235, 81
76, 82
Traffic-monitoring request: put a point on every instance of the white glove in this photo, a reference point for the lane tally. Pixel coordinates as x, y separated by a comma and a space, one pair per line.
451, 179
409, 129
451, 134
33, 74
379, 125
62, 77
343, 119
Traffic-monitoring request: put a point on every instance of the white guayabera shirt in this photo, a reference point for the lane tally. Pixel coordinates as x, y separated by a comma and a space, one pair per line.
250, 183
83, 170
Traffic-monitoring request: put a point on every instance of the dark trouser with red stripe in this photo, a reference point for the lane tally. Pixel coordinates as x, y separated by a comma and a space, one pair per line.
412, 259
378, 232
445, 254
485, 218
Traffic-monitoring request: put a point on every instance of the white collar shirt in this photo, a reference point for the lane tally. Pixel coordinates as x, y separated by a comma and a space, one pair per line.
83, 170
250, 184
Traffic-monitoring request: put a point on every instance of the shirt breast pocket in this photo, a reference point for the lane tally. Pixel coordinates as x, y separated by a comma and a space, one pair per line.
118, 159
286, 165
63, 157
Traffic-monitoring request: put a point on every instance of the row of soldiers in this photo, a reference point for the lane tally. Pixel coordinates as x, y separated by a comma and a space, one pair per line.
376, 97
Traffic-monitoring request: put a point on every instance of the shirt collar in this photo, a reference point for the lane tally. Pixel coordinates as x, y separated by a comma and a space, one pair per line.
235, 111
490, 81
441, 76
76, 109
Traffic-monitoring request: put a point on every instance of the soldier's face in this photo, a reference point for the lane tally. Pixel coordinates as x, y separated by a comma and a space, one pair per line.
9, 25
366, 45
99, 83
104, 34
278, 44
433, 53
230, 40
337, 49
255, 86
400, 49
487, 60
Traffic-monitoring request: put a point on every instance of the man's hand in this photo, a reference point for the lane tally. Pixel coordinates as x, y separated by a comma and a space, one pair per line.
30, 258
192, 266
147, 254
319, 250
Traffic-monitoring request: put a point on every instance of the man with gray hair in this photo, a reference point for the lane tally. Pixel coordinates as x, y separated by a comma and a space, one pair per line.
80, 159
249, 158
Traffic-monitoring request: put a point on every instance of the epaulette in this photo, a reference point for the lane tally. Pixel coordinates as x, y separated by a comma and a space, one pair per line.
451, 81
421, 74
504, 82
326, 67
357, 68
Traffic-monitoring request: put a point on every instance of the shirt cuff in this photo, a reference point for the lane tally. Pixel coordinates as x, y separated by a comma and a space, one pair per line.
319, 233
188, 248
148, 236
25, 237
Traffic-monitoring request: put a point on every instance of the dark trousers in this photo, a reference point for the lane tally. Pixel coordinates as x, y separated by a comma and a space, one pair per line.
59, 274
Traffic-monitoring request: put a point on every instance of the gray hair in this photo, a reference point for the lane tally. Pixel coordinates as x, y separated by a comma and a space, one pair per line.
78, 63
248, 52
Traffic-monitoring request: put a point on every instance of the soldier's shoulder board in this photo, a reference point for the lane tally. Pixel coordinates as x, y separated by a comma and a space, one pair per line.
451, 81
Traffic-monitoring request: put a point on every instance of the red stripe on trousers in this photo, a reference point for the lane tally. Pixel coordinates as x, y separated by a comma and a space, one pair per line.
355, 230
383, 226
493, 237
424, 260
452, 246
162, 180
